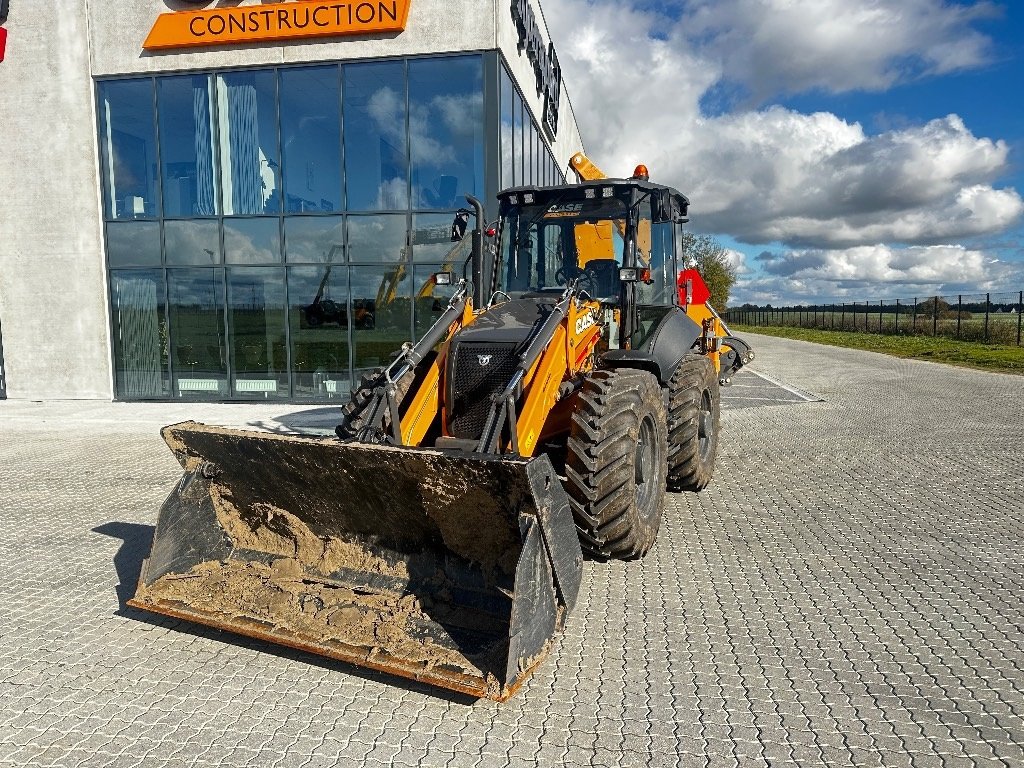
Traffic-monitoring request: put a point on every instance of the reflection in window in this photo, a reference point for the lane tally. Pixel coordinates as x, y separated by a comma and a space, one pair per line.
518, 140
192, 242
198, 351
311, 139
186, 146
252, 241
507, 126
377, 239
430, 300
128, 142
318, 321
314, 239
133, 244
259, 359
446, 130
376, 164
249, 158
381, 314
140, 334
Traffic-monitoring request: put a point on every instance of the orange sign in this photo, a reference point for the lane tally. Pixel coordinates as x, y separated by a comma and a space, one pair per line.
280, 21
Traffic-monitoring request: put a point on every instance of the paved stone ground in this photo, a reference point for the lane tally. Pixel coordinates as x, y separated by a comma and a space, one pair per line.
849, 591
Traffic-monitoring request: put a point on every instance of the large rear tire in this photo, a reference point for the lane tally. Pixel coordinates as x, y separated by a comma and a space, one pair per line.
694, 415
616, 463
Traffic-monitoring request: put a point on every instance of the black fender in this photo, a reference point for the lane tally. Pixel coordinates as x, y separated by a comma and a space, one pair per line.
662, 348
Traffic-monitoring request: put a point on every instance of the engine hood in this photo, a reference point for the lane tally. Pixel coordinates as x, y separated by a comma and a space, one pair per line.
512, 322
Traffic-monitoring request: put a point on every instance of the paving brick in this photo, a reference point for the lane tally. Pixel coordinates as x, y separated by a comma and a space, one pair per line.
848, 591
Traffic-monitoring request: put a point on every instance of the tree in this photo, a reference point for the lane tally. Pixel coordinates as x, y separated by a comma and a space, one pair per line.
712, 261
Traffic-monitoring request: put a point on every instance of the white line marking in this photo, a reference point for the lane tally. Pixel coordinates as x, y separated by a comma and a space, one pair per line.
805, 396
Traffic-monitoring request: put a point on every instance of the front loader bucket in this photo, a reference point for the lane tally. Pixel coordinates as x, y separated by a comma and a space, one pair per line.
450, 568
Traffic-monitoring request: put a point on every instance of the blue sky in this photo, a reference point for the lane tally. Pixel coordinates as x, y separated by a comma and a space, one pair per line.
840, 150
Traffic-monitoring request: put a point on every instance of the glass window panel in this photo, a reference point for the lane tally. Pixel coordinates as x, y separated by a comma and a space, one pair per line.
139, 316
128, 141
377, 239
660, 261
252, 241
446, 130
259, 359
431, 239
250, 163
376, 160
198, 351
314, 239
519, 138
318, 321
189, 243
186, 147
507, 126
534, 153
133, 244
311, 139
380, 318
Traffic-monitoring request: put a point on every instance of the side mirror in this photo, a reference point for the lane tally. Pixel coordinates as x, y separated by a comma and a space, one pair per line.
460, 224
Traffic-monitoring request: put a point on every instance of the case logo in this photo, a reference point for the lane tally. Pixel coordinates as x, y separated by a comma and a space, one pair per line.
484, 360
584, 322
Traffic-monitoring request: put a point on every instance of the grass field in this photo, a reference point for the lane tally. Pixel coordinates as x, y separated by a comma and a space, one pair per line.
989, 357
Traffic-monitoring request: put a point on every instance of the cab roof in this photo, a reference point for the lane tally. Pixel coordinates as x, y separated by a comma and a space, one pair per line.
579, 190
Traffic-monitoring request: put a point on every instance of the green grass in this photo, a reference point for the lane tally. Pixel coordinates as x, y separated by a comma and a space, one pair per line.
989, 357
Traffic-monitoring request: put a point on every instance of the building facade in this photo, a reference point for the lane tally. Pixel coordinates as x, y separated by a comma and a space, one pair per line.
233, 201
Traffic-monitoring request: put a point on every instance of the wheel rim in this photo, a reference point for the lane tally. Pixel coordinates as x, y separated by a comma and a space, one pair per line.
705, 426
645, 470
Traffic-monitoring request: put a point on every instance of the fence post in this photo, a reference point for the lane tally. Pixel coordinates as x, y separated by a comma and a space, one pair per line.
897, 328
914, 326
959, 306
842, 316
880, 315
832, 317
988, 306
1020, 313
935, 316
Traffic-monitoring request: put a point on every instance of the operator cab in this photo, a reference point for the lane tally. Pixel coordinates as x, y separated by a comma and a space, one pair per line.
614, 237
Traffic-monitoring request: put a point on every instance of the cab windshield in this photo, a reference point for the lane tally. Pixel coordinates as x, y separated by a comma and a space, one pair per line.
543, 247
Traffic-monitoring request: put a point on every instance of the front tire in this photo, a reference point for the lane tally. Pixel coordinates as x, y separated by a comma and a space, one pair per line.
694, 416
616, 463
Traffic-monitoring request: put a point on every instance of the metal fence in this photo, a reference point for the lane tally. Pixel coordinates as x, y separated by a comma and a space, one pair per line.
987, 317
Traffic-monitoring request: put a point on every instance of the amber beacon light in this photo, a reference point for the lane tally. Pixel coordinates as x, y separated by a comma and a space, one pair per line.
276, 22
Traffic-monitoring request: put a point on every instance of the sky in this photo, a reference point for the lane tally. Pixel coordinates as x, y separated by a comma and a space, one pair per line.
840, 150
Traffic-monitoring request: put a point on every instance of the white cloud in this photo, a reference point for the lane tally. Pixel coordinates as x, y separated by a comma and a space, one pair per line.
788, 46
872, 271
637, 78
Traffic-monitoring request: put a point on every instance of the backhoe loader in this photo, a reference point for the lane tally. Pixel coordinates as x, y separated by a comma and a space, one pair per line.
440, 535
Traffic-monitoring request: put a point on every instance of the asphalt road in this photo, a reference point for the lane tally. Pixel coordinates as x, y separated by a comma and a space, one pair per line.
849, 591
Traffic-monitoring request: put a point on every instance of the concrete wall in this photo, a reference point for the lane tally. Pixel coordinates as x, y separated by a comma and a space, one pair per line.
52, 282
53, 295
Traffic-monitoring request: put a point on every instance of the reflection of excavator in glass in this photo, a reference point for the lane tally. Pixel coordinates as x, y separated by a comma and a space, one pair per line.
325, 310
457, 254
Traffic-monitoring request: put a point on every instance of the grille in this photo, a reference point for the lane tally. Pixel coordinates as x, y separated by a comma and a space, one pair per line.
473, 384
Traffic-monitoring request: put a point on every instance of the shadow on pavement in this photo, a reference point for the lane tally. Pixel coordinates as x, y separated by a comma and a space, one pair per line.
309, 421
136, 541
